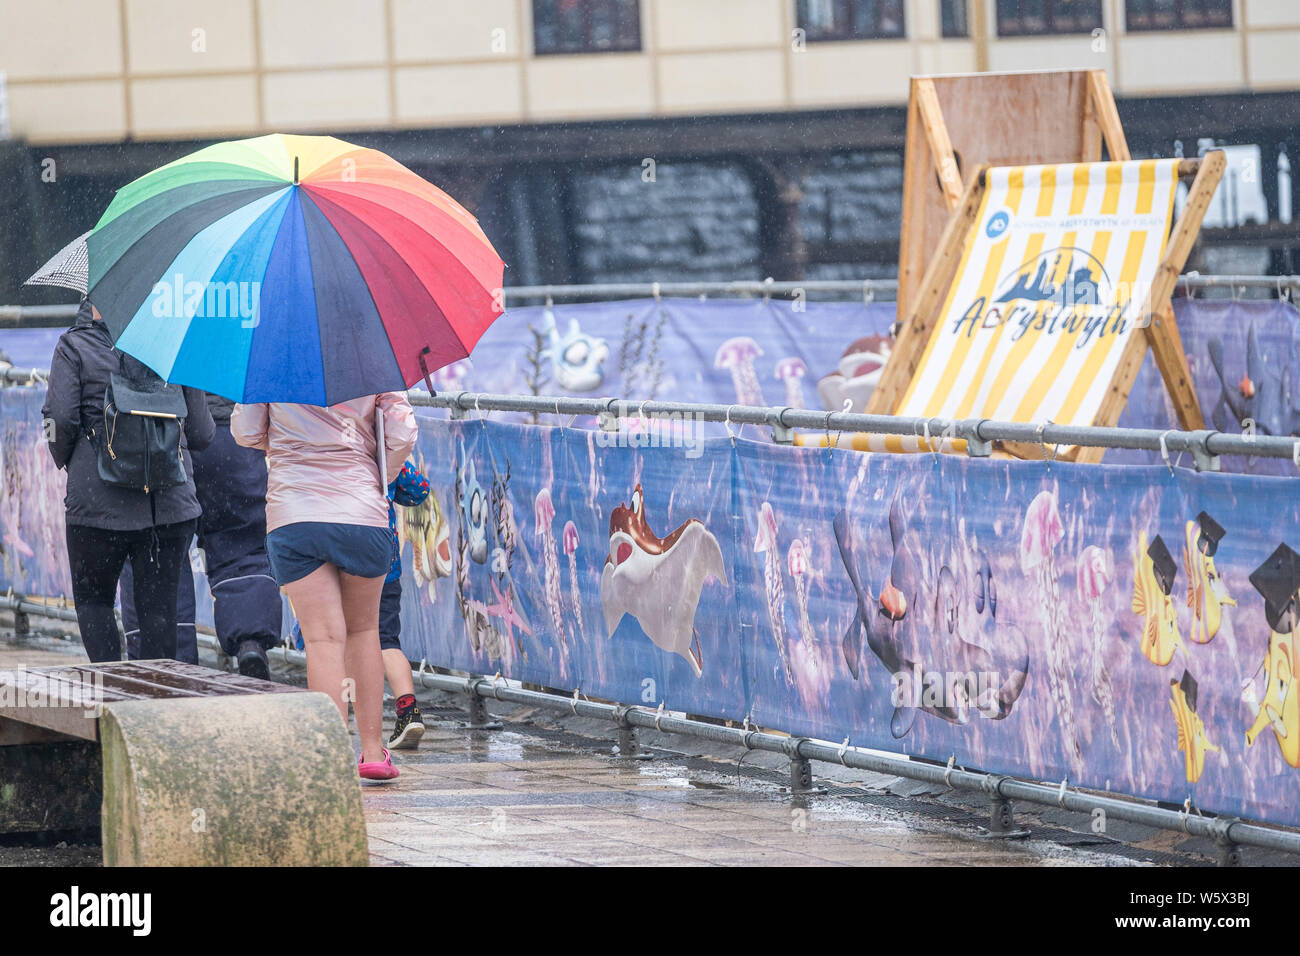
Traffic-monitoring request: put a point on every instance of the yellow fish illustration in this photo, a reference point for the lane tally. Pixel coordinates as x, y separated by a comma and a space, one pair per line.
426, 528
1278, 580
1280, 708
1191, 729
1153, 578
1207, 594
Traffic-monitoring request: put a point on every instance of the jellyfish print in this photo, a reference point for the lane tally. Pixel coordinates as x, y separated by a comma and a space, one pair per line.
791, 371
571, 549
544, 511
737, 355
1043, 531
765, 542
1096, 571
797, 561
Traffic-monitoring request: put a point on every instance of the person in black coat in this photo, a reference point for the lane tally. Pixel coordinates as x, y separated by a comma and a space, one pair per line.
105, 523
230, 482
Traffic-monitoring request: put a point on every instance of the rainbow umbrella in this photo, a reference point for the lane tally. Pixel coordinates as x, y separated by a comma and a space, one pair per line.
292, 269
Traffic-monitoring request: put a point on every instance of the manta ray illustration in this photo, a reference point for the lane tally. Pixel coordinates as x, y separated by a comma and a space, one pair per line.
658, 580
927, 641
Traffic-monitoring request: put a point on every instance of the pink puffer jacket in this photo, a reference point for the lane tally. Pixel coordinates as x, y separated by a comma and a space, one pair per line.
322, 462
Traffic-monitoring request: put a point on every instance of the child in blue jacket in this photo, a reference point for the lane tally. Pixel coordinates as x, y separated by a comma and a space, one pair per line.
408, 489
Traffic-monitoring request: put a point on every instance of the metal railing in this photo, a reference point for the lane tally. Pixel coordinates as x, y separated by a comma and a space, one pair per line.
55, 316
1228, 833
974, 436
1205, 446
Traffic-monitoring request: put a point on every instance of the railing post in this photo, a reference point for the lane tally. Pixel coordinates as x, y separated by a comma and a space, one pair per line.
628, 747
1229, 851
1002, 818
479, 718
801, 776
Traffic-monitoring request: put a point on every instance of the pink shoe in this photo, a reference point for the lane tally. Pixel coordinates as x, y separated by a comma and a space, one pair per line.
377, 769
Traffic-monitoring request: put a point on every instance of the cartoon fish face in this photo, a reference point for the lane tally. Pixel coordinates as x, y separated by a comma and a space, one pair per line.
629, 532
474, 512
425, 527
577, 359
658, 581
984, 589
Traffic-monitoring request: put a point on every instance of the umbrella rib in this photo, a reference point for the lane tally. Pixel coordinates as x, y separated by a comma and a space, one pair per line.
365, 285
388, 245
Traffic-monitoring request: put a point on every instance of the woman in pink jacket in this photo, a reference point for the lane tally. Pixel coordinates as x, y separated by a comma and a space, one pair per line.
329, 542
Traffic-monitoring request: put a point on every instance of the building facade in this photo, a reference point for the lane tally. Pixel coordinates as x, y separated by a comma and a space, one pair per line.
616, 139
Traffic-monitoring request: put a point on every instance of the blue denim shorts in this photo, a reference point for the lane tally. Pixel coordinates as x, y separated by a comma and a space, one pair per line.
296, 550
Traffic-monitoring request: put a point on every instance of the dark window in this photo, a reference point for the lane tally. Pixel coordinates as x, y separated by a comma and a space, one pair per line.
1018, 18
850, 19
1178, 14
586, 26
952, 18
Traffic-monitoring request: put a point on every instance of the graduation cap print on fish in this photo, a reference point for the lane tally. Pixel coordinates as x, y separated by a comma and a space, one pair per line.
1154, 572
1207, 594
1191, 728
1277, 580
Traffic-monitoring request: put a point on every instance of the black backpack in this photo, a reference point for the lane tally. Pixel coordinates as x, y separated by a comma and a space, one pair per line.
144, 424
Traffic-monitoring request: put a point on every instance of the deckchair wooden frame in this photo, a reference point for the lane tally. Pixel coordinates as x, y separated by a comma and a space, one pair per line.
930, 152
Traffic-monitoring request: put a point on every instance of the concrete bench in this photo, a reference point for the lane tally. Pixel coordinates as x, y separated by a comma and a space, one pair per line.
177, 764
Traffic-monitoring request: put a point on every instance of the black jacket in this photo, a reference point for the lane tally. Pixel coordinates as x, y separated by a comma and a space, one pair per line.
83, 361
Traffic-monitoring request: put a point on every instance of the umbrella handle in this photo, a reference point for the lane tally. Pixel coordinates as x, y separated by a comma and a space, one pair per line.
424, 367
381, 450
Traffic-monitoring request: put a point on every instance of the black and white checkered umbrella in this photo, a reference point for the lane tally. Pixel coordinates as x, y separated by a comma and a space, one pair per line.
68, 269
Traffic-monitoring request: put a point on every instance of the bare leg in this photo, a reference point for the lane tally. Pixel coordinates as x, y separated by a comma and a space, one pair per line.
364, 663
398, 671
319, 605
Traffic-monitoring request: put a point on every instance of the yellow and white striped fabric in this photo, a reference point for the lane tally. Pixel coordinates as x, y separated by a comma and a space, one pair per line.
1050, 287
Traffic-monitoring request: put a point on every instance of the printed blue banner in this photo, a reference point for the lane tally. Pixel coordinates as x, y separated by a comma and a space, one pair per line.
1129, 628
1125, 628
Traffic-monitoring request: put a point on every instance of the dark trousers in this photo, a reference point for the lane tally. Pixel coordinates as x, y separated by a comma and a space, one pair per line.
96, 557
230, 481
187, 638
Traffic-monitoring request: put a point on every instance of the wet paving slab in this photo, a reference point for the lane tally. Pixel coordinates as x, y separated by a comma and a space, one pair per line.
549, 790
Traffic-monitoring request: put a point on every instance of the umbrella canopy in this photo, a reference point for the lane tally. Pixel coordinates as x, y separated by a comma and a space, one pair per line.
292, 269
68, 268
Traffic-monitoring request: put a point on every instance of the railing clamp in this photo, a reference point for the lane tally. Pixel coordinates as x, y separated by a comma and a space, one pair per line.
1002, 819
1201, 455
607, 419
801, 777
1221, 831
782, 434
456, 411
628, 747
977, 447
